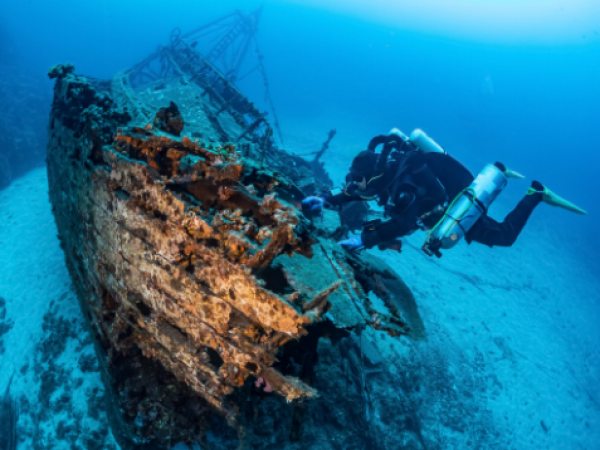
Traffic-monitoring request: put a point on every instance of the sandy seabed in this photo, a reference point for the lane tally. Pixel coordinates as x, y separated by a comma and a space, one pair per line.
529, 314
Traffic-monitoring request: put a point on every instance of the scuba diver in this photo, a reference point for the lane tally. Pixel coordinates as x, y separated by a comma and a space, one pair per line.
420, 186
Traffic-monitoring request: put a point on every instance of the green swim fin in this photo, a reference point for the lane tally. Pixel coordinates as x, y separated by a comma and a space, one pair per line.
552, 199
512, 174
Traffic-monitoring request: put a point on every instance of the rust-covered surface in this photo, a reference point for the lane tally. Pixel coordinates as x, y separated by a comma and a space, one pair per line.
192, 261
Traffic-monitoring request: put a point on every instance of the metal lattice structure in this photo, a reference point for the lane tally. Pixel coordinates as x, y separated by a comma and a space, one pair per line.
212, 56
229, 39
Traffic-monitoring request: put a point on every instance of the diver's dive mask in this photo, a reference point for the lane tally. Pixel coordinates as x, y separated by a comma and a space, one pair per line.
356, 181
354, 177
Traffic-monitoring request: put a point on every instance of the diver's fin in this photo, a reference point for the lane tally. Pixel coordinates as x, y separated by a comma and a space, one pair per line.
512, 174
552, 199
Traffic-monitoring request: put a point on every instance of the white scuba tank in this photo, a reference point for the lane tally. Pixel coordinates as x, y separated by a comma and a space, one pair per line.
425, 143
466, 209
398, 133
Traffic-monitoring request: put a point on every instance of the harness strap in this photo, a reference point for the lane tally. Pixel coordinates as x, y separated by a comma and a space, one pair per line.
473, 199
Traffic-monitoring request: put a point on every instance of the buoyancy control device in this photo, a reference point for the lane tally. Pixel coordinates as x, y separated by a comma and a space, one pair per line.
465, 210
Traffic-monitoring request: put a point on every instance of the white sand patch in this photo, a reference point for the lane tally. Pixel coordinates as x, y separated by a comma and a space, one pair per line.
35, 283
532, 311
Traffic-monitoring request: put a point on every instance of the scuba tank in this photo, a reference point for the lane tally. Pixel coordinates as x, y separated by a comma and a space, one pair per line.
427, 145
465, 210
400, 134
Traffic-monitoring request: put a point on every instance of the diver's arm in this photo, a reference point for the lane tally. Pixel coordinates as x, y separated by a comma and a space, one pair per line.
313, 205
338, 199
389, 230
349, 194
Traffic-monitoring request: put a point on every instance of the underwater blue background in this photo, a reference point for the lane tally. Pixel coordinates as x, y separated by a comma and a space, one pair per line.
522, 88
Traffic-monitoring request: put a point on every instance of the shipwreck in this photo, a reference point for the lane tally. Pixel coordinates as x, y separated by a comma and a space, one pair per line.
194, 266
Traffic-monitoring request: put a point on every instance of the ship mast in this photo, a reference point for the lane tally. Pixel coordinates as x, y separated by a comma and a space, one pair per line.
212, 56
234, 33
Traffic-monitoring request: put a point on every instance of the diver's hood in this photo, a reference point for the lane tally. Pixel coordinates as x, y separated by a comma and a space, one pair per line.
363, 163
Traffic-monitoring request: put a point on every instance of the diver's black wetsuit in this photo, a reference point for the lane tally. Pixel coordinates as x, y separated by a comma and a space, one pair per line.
490, 232
414, 183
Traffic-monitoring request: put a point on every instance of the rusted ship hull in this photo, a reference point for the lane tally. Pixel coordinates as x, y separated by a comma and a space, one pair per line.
192, 263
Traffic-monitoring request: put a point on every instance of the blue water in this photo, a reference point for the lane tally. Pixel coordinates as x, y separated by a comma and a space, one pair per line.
517, 82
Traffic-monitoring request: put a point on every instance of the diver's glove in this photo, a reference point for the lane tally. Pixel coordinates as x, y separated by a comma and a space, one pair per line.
312, 206
352, 244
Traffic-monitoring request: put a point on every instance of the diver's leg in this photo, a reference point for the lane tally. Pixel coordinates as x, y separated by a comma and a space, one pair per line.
490, 232
552, 199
